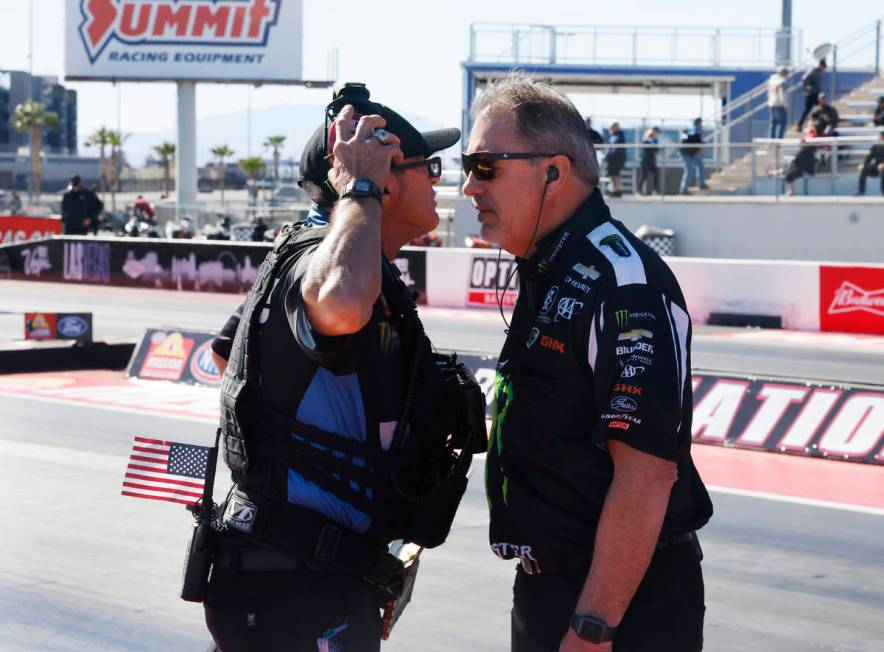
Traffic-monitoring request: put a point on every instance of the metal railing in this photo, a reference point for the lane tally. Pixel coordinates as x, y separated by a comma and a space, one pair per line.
594, 44
849, 50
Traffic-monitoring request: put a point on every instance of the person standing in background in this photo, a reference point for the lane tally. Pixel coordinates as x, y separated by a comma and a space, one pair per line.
813, 84
647, 175
776, 102
692, 157
615, 158
594, 136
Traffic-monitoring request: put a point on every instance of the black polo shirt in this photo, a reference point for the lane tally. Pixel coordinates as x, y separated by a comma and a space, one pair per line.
599, 349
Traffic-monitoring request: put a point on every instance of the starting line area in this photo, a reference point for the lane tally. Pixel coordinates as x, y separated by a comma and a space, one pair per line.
789, 478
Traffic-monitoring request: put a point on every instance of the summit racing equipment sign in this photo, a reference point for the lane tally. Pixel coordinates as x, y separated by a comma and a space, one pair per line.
208, 40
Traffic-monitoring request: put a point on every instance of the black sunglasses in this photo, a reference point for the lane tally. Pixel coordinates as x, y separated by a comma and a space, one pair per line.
481, 164
434, 166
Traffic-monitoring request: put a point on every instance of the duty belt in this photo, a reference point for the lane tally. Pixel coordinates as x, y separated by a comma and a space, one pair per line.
318, 543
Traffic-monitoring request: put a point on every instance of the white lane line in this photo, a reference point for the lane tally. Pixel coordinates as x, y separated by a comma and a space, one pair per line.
812, 502
113, 408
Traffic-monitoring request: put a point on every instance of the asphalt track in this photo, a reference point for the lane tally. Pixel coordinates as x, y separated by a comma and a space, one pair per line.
83, 568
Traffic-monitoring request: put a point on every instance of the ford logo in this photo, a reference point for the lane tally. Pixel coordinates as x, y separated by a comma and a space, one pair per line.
623, 404
72, 326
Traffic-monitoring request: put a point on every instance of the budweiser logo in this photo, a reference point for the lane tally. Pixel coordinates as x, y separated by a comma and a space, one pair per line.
850, 298
176, 22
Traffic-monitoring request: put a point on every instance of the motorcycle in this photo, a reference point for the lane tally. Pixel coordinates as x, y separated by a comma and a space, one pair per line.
140, 225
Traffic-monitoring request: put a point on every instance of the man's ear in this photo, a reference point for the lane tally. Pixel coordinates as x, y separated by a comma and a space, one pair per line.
555, 182
390, 191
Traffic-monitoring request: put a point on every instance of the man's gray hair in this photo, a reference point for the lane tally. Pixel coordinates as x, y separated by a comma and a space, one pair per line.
544, 118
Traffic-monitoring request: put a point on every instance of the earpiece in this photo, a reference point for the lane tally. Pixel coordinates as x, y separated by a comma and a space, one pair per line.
552, 173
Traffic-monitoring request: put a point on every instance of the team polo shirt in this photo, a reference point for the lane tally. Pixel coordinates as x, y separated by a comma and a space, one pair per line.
598, 349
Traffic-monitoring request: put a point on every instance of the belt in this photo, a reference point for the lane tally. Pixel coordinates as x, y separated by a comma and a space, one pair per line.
253, 559
573, 561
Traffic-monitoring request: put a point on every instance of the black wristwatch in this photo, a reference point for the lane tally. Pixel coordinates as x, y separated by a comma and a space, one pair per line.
359, 188
592, 629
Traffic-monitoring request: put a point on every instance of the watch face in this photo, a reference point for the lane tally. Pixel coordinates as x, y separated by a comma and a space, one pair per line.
362, 185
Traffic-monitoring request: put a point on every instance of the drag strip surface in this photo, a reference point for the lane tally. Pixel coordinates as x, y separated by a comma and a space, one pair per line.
84, 568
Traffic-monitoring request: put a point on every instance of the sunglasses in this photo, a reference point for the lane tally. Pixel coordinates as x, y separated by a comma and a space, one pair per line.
434, 166
481, 164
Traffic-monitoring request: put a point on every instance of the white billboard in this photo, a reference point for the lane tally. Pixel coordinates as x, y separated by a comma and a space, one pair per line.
198, 40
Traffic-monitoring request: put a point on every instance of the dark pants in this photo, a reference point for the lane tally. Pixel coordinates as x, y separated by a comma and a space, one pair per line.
73, 228
665, 615
647, 175
810, 101
295, 611
869, 171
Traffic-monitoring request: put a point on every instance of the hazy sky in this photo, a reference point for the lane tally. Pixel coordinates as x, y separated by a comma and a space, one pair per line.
408, 52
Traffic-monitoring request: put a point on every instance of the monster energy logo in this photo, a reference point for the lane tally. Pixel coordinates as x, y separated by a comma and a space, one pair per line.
616, 243
622, 317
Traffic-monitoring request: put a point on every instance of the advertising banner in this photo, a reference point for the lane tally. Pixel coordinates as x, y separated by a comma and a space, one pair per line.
58, 326
852, 299
179, 356
147, 263
198, 40
412, 265
19, 228
493, 279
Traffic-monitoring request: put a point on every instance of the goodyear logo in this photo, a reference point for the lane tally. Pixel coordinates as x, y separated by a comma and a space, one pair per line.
176, 22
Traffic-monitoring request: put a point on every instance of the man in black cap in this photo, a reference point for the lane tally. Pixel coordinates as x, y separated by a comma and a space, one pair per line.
79, 209
313, 507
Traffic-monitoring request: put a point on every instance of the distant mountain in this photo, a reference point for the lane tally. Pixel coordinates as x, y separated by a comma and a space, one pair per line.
295, 121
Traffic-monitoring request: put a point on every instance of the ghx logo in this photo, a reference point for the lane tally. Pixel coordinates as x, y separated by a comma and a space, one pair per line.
548, 342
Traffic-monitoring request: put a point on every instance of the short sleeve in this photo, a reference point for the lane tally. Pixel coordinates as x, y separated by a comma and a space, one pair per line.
223, 342
638, 344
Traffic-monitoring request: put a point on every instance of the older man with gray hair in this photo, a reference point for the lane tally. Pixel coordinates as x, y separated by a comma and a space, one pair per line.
589, 476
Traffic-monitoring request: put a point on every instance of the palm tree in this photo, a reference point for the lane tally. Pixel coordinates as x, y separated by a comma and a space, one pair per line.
101, 137
275, 143
31, 116
166, 152
222, 152
252, 166
116, 140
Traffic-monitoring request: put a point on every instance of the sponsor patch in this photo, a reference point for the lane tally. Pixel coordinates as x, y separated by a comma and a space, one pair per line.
574, 283
635, 334
623, 404
589, 273
615, 242
549, 299
642, 359
240, 514
619, 424
631, 371
532, 337
548, 342
72, 326
627, 389
622, 317
608, 416
628, 349
566, 308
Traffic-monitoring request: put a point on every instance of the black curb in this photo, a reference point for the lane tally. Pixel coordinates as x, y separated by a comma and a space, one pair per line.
71, 357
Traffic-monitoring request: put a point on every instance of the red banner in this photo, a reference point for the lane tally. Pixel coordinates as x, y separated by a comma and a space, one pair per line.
17, 228
852, 299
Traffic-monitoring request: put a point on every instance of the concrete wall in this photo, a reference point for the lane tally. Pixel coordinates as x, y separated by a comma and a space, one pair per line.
831, 229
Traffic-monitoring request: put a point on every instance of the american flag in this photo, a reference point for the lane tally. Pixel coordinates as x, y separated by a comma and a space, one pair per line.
166, 470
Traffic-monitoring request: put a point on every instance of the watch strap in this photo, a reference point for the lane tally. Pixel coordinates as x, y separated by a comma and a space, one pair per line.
592, 629
358, 188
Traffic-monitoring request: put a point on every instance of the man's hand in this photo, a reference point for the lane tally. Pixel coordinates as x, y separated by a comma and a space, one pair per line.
358, 154
573, 643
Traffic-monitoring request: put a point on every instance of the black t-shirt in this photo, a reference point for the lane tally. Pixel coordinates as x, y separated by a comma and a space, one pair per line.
599, 349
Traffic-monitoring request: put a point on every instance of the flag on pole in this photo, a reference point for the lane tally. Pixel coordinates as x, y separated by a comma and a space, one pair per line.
166, 470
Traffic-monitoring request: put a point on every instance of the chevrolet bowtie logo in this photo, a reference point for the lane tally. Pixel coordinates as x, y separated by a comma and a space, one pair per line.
176, 22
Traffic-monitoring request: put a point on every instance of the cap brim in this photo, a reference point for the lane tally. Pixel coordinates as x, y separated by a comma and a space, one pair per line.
440, 139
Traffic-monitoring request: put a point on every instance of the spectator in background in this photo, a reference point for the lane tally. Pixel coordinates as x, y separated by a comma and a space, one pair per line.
878, 119
647, 174
873, 166
776, 102
826, 114
15, 204
78, 209
96, 207
141, 204
615, 158
813, 84
594, 136
804, 162
692, 157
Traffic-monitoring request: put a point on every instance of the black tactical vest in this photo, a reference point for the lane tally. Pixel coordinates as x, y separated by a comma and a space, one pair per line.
410, 491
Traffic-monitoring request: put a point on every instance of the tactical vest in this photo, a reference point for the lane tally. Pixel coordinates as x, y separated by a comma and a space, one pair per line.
410, 491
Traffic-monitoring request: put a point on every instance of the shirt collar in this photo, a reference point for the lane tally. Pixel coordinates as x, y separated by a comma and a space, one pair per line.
592, 212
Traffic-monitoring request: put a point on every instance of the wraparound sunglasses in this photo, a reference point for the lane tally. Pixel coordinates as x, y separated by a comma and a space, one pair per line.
481, 164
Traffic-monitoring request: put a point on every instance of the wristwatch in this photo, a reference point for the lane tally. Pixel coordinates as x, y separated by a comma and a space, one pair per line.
592, 629
359, 188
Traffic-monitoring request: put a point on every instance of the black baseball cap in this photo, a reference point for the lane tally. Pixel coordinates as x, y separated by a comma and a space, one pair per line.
314, 165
